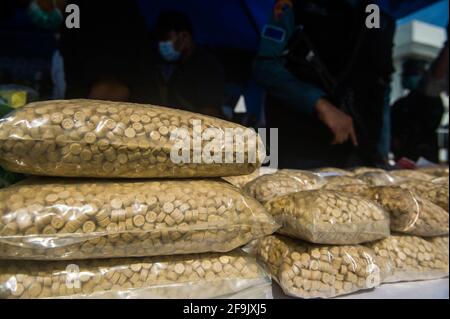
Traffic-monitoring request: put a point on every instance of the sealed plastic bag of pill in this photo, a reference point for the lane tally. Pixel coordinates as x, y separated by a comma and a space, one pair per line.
335, 182
379, 178
363, 170
283, 182
85, 138
440, 181
409, 213
329, 217
332, 171
412, 174
413, 258
209, 275
319, 271
78, 219
436, 193
438, 171
241, 180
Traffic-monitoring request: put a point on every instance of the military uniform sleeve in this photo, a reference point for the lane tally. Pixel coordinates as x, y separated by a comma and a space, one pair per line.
269, 70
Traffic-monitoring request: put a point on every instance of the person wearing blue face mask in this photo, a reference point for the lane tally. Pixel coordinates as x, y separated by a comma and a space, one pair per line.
47, 14
184, 75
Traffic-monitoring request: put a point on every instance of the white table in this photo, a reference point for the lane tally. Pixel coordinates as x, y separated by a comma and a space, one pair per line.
429, 289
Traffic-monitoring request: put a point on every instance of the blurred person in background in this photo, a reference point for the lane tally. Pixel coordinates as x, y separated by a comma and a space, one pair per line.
99, 58
326, 76
435, 80
417, 116
184, 75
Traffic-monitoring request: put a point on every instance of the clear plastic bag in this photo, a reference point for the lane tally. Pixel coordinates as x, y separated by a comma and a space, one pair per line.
356, 189
332, 171
317, 271
379, 178
413, 258
209, 275
409, 213
267, 187
86, 138
241, 180
78, 219
440, 181
329, 217
335, 182
441, 243
435, 193
363, 170
438, 171
412, 174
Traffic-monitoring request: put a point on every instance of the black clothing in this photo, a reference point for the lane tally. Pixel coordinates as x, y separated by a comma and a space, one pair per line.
415, 119
193, 84
359, 60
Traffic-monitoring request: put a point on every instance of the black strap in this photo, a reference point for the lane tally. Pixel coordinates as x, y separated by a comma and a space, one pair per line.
329, 82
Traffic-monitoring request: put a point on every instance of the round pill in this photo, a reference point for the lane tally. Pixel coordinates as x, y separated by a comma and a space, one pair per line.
90, 137
67, 124
129, 132
18, 290
116, 203
51, 198
163, 130
145, 119
75, 149
206, 264
122, 158
89, 227
110, 124
179, 268
139, 220
86, 155
137, 127
57, 222
150, 217
135, 118
154, 135
168, 207
57, 118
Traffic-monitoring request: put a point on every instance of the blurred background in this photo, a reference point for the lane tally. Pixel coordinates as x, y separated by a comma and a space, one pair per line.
42, 59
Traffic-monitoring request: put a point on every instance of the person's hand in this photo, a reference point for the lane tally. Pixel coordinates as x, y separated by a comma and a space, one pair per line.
337, 121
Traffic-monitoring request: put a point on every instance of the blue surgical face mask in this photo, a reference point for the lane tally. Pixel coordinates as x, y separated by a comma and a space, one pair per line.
47, 20
411, 82
168, 51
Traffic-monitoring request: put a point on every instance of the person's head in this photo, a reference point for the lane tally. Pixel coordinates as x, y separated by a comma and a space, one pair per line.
46, 14
412, 72
174, 35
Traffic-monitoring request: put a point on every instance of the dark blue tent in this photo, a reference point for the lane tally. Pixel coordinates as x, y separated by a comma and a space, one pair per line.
237, 23
230, 23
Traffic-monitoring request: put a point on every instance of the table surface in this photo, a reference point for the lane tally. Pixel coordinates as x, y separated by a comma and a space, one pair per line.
429, 289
